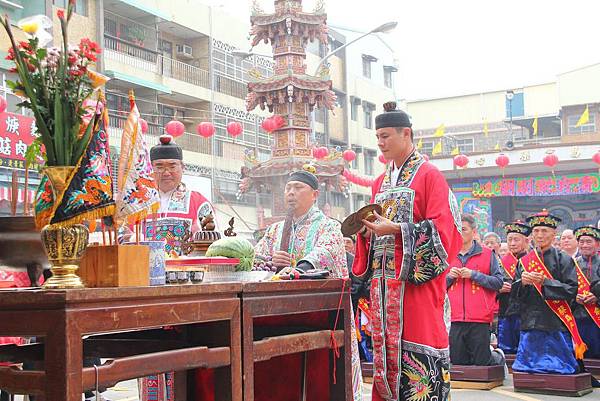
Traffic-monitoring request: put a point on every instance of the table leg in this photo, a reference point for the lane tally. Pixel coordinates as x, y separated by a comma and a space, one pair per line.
235, 328
63, 361
247, 331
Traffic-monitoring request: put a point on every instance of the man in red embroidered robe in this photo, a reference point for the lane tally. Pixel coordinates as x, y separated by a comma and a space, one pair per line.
406, 250
181, 210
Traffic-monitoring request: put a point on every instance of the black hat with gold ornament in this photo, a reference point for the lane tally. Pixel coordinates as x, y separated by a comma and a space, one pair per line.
589, 231
543, 218
518, 227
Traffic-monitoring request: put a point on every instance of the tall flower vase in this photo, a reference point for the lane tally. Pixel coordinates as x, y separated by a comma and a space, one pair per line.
64, 245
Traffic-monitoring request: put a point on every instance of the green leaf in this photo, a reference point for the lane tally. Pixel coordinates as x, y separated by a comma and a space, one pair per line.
83, 143
34, 151
59, 132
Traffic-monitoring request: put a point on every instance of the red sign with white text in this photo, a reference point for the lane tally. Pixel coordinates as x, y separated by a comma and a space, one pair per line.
16, 134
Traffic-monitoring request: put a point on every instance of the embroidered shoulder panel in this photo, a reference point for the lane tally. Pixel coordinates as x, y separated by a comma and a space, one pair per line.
455, 209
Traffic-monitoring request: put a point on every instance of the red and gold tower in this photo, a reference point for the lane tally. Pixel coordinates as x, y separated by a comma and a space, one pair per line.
291, 94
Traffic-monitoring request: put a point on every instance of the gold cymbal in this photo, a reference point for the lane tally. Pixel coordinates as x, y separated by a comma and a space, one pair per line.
353, 223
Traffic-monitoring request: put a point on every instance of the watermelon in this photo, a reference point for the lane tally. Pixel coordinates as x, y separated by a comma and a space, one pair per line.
232, 247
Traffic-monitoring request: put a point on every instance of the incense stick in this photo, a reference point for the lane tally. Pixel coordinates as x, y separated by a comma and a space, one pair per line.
14, 196
26, 195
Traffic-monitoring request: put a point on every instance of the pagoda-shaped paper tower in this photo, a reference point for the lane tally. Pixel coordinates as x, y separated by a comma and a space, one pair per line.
291, 94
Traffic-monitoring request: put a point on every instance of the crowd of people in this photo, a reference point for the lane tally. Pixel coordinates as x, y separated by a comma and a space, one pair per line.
499, 295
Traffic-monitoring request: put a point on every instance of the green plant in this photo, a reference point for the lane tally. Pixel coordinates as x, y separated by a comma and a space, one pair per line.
54, 82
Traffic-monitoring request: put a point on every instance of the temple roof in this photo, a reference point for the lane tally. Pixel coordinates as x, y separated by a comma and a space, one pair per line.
298, 17
275, 82
281, 166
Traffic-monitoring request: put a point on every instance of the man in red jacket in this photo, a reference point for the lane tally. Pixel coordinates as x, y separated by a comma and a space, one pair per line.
406, 251
473, 280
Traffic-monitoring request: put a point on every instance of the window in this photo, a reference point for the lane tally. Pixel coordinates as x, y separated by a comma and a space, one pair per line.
358, 151
359, 201
427, 148
370, 161
228, 189
368, 109
354, 103
590, 126
388, 77
320, 115
80, 5
339, 200
366, 68
465, 145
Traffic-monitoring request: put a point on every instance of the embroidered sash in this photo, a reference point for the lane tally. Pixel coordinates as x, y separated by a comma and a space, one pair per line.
583, 288
509, 264
532, 263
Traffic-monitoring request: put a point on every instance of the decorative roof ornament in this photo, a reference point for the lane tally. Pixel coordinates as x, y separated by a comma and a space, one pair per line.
256, 9
324, 71
319, 7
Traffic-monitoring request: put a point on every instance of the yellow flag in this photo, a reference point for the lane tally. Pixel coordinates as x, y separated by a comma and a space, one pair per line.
439, 132
535, 126
455, 151
437, 149
497, 146
486, 130
420, 144
585, 117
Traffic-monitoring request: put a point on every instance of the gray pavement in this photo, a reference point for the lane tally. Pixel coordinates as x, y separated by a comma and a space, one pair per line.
127, 391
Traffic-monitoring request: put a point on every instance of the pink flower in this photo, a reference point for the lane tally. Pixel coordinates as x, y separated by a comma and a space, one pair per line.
60, 14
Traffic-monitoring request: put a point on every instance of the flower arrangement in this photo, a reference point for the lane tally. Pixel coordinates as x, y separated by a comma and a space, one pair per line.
54, 82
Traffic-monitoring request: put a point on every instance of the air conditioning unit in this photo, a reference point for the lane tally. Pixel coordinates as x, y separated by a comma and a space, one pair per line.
184, 50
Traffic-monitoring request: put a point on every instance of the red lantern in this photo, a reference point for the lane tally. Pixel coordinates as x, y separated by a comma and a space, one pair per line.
278, 121
175, 128
205, 129
144, 125
268, 125
502, 160
551, 160
234, 128
3, 104
382, 159
320, 152
349, 155
596, 158
461, 161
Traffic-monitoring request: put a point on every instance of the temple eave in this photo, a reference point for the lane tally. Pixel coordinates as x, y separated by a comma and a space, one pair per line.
283, 165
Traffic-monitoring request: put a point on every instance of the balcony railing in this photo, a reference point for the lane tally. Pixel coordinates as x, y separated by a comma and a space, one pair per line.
184, 72
151, 61
230, 86
188, 141
130, 53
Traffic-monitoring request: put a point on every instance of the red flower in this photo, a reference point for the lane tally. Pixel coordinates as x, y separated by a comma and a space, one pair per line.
61, 14
11, 54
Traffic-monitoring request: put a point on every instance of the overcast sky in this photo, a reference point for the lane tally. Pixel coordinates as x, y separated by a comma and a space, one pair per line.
452, 47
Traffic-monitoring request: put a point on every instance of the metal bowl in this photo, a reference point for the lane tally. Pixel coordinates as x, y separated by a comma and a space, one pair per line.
20, 243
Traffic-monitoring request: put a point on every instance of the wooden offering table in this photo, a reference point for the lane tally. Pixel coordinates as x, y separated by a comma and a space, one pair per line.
287, 334
125, 325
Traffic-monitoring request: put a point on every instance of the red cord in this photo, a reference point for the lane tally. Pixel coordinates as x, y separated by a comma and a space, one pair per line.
334, 345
